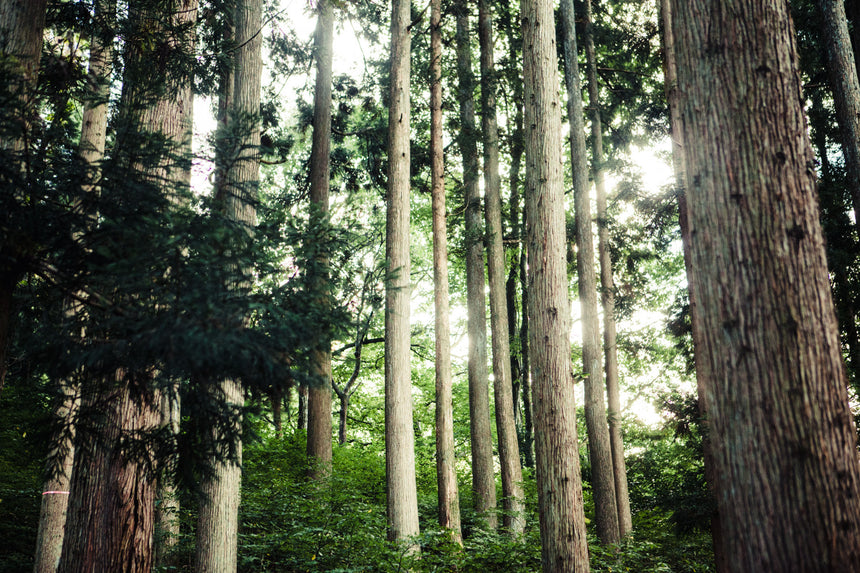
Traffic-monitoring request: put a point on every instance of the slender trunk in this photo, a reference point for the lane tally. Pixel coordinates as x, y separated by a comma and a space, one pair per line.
341, 426
846, 92
446, 473
55, 491
399, 437
302, 414
236, 188
767, 346
277, 401
509, 451
483, 482
167, 510
599, 448
519, 357
607, 284
562, 521
319, 396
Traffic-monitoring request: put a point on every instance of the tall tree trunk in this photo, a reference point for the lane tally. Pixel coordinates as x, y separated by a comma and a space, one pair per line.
399, 438
111, 514
607, 288
562, 521
517, 275
52, 515
670, 81
846, 92
237, 181
22, 25
768, 353
509, 451
319, 396
483, 482
446, 472
599, 448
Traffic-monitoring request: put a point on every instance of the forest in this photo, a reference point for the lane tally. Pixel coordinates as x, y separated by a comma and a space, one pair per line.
468, 286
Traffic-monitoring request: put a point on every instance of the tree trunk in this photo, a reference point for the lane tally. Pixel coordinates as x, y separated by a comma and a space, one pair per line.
52, 519
111, 514
509, 451
607, 289
768, 354
562, 521
22, 25
599, 448
846, 92
483, 482
55, 491
519, 357
302, 413
399, 438
446, 472
670, 74
319, 396
237, 181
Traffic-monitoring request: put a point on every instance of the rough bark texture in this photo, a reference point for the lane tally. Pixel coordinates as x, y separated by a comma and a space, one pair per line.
446, 472
111, 514
483, 482
768, 354
319, 397
236, 185
112, 494
22, 25
599, 448
506, 430
846, 92
399, 438
52, 516
607, 289
562, 522
670, 74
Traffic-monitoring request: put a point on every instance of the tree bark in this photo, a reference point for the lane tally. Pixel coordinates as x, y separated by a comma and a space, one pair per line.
22, 25
607, 289
399, 438
483, 481
519, 333
670, 74
55, 491
52, 517
599, 448
112, 494
562, 521
319, 447
509, 451
237, 182
846, 92
768, 354
446, 472
111, 513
